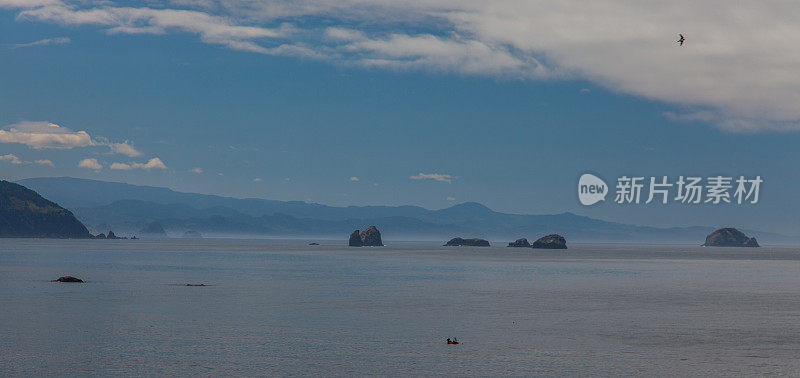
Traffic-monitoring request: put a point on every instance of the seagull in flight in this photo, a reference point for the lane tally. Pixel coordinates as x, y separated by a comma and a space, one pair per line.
681, 40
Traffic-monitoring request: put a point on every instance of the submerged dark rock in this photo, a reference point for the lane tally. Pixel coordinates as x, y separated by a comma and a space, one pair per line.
472, 242
523, 242
313, 243
370, 237
729, 237
553, 241
195, 285
68, 279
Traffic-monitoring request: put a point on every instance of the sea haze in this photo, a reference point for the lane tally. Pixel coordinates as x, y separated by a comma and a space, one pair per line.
287, 308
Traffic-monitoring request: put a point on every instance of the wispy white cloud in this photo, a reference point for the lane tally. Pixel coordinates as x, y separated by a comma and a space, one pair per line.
739, 62
154, 163
90, 163
433, 176
197, 170
125, 148
11, 158
450, 198
257, 179
354, 179
211, 29
47, 162
44, 42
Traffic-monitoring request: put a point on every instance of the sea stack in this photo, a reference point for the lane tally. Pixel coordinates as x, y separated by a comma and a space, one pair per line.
729, 237
192, 234
521, 243
153, 230
370, 237
68, 279
552, 241
471, 242
355, 239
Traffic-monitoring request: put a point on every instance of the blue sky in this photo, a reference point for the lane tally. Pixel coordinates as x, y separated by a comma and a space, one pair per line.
321, 107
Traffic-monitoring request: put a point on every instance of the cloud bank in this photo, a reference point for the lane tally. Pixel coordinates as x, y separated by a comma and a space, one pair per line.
737, 68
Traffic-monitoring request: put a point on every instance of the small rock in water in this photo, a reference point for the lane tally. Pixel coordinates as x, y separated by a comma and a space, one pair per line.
68, 279
471, 242
520, 243
313, 243
195, 284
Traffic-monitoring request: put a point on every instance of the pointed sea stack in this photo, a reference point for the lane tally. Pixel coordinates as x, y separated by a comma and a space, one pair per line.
729, 237
153, 230
552, 241
355, 239
523, 243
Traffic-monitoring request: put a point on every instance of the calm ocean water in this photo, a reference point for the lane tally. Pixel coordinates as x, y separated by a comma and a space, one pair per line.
286, 308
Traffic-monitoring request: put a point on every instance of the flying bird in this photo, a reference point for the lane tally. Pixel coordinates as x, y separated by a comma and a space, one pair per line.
681, 40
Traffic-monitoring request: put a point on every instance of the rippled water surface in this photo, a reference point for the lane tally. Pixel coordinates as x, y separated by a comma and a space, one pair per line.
286, 308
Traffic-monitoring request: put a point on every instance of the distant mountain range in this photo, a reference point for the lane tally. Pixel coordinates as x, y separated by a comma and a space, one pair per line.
127, 208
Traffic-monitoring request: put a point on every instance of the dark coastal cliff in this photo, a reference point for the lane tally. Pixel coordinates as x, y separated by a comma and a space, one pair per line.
26, 214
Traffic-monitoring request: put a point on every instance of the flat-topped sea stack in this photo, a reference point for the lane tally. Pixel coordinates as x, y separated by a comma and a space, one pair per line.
553, 241
472, 242
192, 234
520, 243
370, 237
68, 279
729, 237
26, 214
